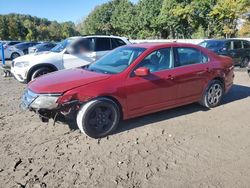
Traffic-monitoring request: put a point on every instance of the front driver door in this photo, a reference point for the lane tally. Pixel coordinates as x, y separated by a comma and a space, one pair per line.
157, 90
82, 54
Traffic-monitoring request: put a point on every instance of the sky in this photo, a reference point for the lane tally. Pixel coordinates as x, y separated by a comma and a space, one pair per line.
59, 10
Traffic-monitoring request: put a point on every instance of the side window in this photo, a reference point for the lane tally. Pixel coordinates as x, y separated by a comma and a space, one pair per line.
83, 45
158, 60
237, 45
189, 56
227, 45
102, 44
246, 44
117, 42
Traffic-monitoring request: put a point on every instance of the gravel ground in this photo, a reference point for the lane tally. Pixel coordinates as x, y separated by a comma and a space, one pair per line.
184, 147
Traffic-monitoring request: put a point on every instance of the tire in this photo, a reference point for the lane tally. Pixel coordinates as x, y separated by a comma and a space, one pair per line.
104, 114
14, 55
39, 72
213, 94
244, 62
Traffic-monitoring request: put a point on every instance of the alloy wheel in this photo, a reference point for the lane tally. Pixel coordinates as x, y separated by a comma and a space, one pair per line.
214, 94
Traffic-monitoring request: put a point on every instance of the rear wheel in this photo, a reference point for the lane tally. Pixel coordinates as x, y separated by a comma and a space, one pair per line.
39, 72
14, 55
213, 94
98, 118
244, 62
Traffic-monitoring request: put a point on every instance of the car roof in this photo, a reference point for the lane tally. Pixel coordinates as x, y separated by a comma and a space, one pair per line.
151, 45
97, 36
224, 40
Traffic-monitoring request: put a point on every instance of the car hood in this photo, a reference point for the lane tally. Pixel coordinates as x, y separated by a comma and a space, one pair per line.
62, 81
35, 57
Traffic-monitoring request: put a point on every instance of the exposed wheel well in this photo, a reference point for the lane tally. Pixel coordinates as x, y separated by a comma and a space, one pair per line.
116, 102
33, 69
221, 80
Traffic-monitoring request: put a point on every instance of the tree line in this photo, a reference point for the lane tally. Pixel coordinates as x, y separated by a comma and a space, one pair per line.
30, 28
168, 18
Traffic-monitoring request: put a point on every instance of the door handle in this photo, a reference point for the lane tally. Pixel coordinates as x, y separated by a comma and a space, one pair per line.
169, 77
207, 70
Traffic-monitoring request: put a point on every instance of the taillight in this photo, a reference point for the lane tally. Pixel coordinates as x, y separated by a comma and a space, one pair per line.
5, 46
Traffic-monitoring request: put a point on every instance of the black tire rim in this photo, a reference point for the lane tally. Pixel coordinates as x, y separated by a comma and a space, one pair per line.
214, 94
15, 55
39, 73
245, 62
100, 119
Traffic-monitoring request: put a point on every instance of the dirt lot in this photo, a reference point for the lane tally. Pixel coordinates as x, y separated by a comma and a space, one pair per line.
184, 147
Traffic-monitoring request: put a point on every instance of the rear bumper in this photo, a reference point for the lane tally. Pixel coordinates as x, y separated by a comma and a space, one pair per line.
229, 79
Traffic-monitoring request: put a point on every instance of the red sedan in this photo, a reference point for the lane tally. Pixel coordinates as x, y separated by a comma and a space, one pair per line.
131, 81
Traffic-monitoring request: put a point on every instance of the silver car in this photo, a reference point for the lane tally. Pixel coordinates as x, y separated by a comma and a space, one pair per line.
45, 46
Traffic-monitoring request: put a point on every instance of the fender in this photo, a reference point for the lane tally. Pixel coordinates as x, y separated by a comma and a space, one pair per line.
39, 66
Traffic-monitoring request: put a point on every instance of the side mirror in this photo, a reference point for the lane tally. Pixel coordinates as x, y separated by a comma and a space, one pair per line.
223, 49
142, 71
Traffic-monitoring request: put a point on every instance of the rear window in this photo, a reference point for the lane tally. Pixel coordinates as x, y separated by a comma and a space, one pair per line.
117, 42
102, 44
237, 44
246, 44
189, 56
212, 44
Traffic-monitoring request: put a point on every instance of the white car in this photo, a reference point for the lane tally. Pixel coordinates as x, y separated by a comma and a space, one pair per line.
9, 51
70, 53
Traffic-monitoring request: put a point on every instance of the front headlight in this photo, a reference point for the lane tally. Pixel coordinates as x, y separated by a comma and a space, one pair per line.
22, 64
45, 102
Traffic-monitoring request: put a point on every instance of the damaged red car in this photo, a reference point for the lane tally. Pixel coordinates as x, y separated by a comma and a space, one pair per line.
131, 81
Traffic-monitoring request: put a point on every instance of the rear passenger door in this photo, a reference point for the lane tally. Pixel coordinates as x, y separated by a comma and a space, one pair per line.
192, 71
246, 49
237, 51
102, 46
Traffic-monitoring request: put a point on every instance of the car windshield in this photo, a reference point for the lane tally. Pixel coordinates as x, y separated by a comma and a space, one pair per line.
62, 45
117, 60
210, 44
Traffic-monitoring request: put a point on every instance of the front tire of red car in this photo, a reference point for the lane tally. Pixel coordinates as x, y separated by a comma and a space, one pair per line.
213, 94
98, 118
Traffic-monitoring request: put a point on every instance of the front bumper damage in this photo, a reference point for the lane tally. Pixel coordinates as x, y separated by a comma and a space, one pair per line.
54, 112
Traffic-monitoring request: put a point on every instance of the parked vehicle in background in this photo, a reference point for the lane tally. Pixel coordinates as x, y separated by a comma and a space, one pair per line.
131, 81
45, 46
8, 53
237, 49
24, 46
248, 68
70, 53
10, 43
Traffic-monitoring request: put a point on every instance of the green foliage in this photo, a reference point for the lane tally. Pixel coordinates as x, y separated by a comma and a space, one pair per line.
145, 19
26, 27
166, 18
226, 14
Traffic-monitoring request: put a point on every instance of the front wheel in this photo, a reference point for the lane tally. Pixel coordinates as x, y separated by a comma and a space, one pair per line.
39, 72
98, 118
213, 94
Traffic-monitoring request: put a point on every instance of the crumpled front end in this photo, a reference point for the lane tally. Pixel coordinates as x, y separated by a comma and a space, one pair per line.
46, 105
